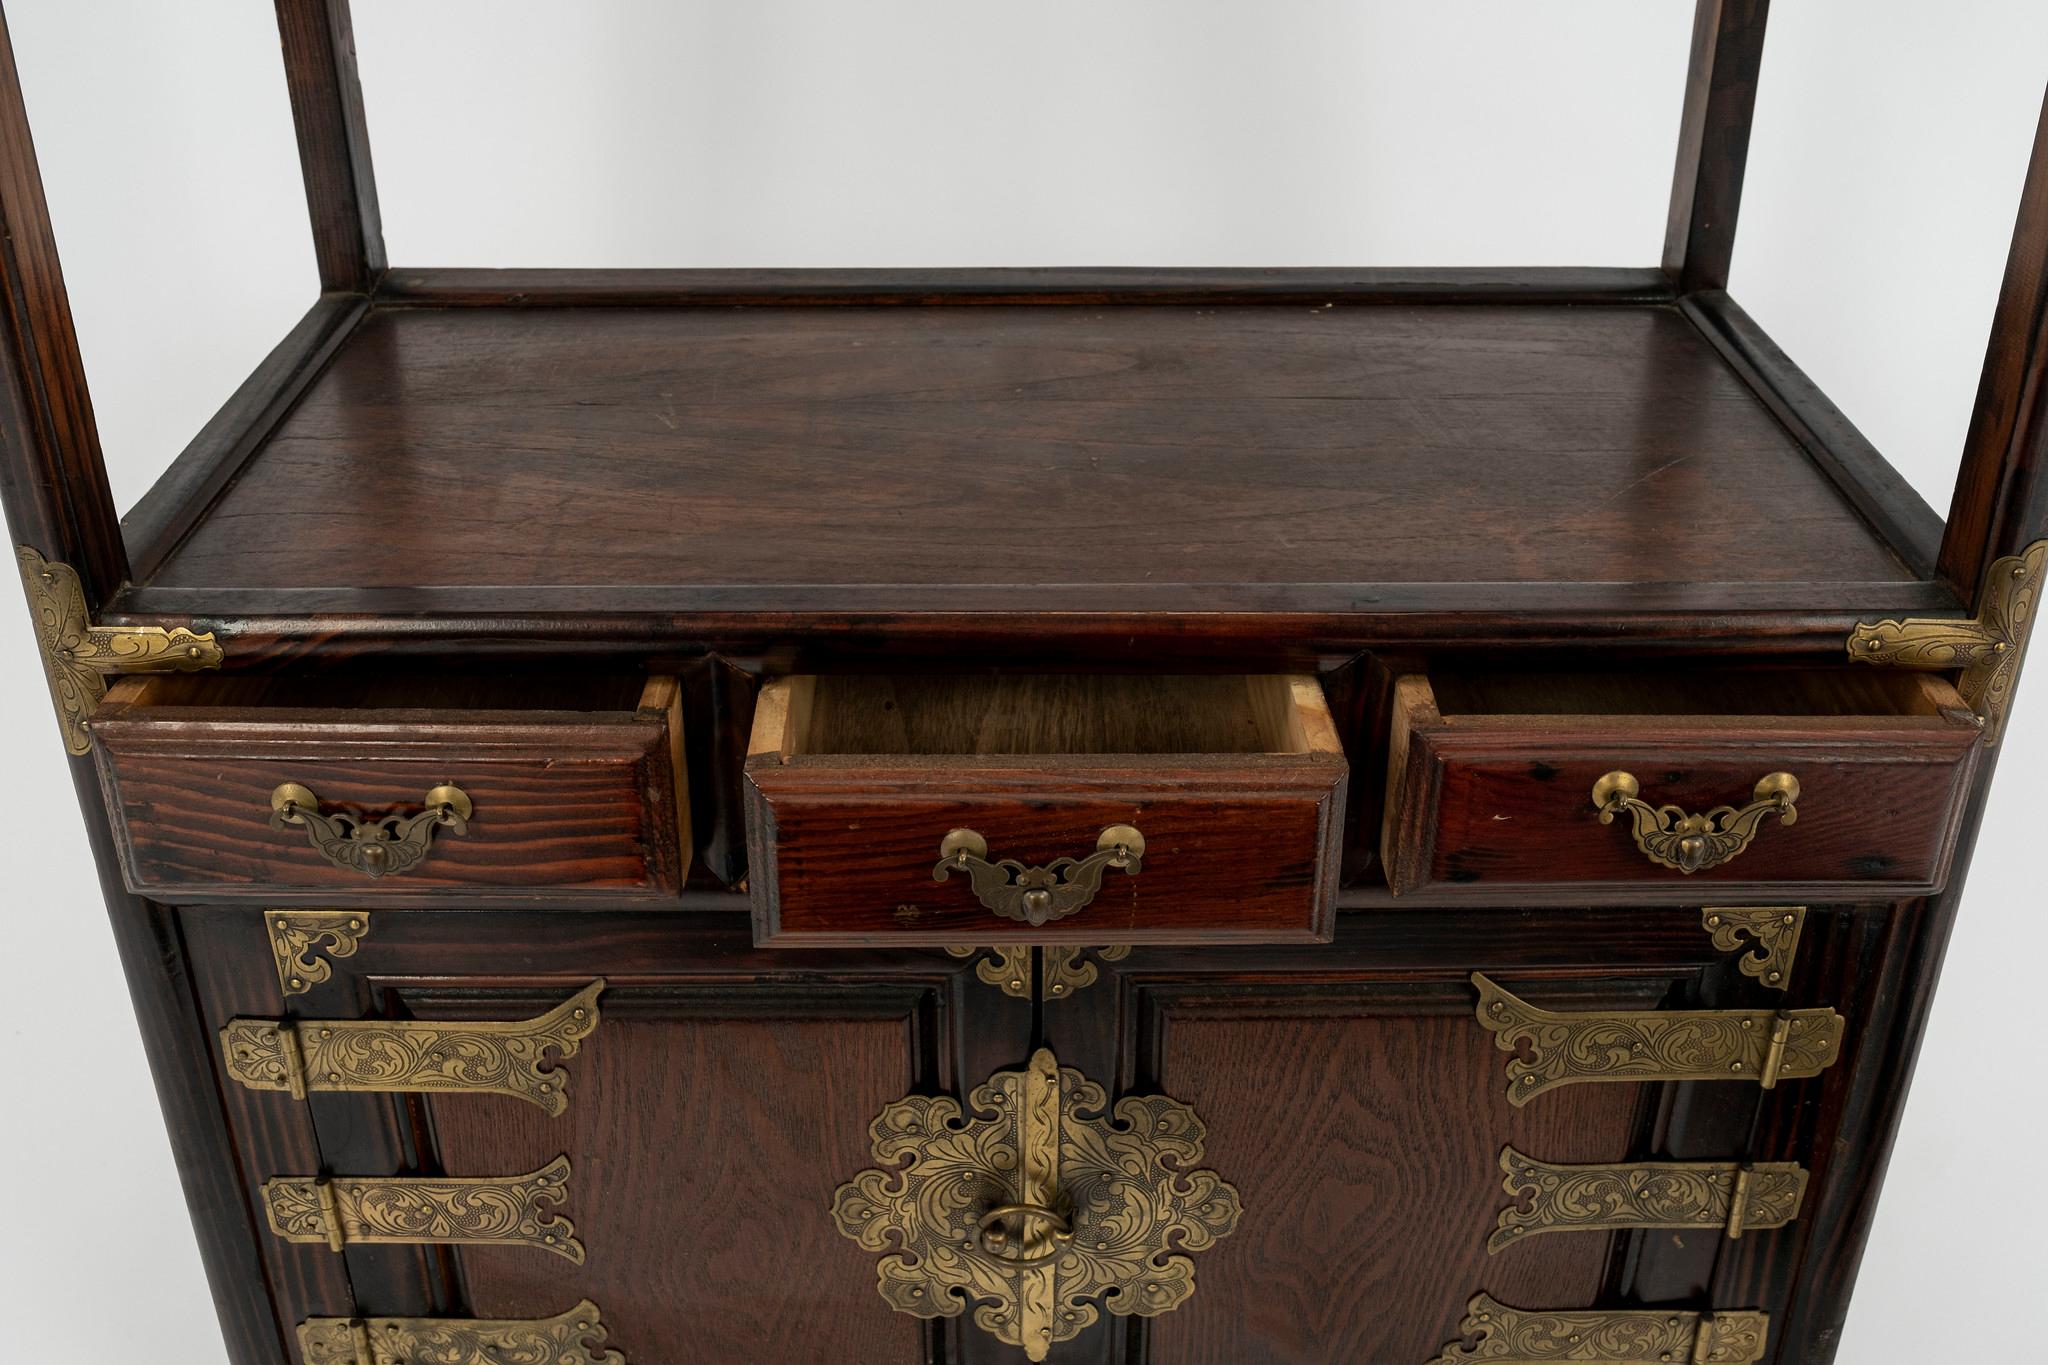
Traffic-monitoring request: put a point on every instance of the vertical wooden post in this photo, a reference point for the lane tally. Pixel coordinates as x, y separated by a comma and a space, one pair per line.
53, 479
2001, 498
334, 143
1713, 142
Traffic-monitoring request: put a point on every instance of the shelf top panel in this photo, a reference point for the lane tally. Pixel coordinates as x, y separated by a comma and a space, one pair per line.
1068, 458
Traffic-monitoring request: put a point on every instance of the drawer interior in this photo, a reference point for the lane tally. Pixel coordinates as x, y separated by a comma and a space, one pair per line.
1047, 714
1692, 692
383, 689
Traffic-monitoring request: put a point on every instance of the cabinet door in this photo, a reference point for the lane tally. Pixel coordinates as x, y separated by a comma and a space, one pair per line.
1361, 1111
724, 1095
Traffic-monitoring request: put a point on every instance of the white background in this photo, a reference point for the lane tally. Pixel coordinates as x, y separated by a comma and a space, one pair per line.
1890, 142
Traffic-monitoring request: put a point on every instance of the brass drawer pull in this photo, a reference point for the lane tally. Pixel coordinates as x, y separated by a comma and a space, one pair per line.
375, 847
1669, 837
1038, 895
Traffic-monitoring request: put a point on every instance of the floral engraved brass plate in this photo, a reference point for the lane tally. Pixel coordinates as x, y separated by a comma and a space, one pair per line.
510, 1211
415, 1055
298, 936
78, 656
1040, 1206
1510, 1336
1648, 1194
1062, 970
1986, 650
1772, 934
1653, 1045
576, 1337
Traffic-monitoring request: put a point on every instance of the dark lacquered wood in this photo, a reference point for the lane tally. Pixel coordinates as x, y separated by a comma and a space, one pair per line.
569, 803
334, 142
1713, 141
1487, 804
1093, 459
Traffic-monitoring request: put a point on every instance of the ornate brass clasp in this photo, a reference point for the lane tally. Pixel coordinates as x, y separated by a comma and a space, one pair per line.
1038, 895
79, 656
1042, 1210
377, 847
1669, 837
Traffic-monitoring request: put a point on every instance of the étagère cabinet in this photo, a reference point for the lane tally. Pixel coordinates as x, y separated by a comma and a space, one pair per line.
1245, 817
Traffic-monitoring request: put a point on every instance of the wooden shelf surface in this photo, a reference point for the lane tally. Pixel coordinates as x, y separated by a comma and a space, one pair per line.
1122, 458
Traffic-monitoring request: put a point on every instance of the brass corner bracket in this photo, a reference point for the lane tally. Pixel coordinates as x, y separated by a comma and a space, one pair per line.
1987, 650
298, 937
1767, 936
79, 656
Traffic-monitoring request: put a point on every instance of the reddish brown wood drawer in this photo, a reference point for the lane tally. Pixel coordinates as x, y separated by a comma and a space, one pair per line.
1234, 785
1491, 783
572, 787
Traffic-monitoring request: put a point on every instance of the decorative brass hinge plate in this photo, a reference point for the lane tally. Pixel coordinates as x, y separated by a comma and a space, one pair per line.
1063, 971
298, 936
414, 1055
78, 656
1042, 1209
577, 1337
411, 1211
1643, 1336
1654, 1045
1987, 649
1645, 1194
1772, 933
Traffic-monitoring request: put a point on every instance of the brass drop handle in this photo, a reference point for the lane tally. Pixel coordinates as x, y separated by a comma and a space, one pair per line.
377, 847
1669, 837
1038, 895
997, 1237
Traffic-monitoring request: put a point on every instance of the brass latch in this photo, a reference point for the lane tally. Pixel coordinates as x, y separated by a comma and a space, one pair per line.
413, 1211
79, 656
1043, 1209
1647, 1194
1986, 650
1764, 1046
1645, 1336
413, 1055
576, 1337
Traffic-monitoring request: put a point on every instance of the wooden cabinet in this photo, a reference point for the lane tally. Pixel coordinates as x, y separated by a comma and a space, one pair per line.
1115, 817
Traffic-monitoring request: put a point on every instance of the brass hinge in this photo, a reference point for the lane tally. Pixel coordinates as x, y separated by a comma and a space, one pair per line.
412, 1211
1987, 650
415, 1055
1643, 1336
79, 656
1038, 1204
1764, 1046
1648, 1194
1062, 970
576, 1337
1773, 934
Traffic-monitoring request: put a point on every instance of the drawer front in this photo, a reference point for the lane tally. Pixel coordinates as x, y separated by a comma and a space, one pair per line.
1242, 852
1508, 808
573, 805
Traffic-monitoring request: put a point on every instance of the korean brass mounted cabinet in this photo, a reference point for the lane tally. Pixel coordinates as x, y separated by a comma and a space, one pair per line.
1130, 817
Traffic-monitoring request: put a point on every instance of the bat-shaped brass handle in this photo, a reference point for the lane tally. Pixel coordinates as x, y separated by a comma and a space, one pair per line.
1038, 895
1671, 837
377, 846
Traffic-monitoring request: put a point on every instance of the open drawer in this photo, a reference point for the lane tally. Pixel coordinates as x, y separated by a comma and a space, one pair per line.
1723, 783
397, 787
1043, 809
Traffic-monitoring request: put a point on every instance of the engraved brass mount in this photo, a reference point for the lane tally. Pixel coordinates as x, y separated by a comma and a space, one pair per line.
79, 656
297, 937
1038, 895
414, 1055
576, 1337
1040, 1206
1763, 1046
411, 1211
1671, 837
1642, 1336
1772, 933
1986, 650
376, 847
1646, 1194
1062, 970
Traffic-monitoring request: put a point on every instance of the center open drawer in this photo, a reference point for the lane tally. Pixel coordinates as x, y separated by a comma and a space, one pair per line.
1085, 809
